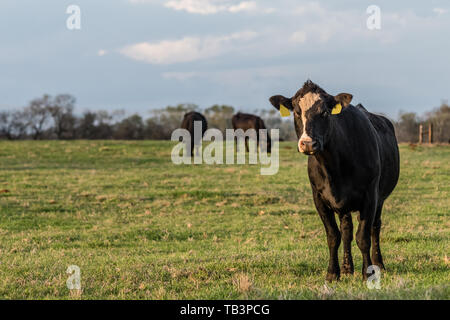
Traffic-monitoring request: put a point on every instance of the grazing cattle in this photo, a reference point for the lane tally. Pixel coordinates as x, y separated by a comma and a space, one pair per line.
188, 124
353, 166
247, 121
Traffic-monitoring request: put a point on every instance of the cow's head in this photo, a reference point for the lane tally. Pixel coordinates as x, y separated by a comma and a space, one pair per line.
313, 110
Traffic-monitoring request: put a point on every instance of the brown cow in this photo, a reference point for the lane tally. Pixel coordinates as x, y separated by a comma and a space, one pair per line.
188, 124
247, 121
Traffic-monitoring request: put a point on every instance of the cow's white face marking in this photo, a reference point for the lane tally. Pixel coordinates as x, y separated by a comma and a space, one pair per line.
305, 138
306, 102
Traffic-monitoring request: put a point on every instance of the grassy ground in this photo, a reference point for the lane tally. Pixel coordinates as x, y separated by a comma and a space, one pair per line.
140, 227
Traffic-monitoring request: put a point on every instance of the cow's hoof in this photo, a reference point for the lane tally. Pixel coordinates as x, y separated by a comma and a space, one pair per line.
347, 269
332, 277
380, 265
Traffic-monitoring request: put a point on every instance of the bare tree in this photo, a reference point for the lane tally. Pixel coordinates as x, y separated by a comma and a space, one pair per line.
407, 128
440, 118
97, 125
169, 119
6, 125
219, 116
154, 130
48, 117
131, 128
37, 116
61, 110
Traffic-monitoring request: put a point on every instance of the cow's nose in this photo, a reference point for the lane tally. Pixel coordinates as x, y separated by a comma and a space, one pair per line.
307, 145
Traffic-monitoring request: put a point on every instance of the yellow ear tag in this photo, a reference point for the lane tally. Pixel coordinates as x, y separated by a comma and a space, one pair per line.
337, 109
284, 111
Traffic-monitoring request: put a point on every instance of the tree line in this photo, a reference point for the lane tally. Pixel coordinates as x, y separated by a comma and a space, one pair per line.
54, 118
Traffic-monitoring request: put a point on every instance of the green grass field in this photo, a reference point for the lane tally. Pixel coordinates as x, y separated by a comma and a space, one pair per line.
140, 227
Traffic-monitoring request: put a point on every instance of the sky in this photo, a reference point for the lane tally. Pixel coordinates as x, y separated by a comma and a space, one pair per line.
141, 55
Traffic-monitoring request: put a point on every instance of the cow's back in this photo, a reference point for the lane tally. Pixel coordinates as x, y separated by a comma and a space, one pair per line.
247, 121
190, 118
388, 149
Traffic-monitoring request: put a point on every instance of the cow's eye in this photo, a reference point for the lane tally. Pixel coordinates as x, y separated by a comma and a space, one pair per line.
325, 114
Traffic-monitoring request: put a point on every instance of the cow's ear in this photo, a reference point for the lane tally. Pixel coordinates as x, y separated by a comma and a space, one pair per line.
278, 101
344, 99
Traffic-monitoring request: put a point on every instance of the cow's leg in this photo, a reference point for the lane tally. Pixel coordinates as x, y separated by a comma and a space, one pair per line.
333, 237
258, 141
192, 148
377, 259
347, 237
188, 149
197, 150
366, 217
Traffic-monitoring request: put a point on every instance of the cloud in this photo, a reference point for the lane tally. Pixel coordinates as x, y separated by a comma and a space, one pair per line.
235, 77
101, 52
187, 49
195, 6
298, 37
180, 76
308, 9
306, 28
243, 6
143, 1
318, 24
206, 7
440, 11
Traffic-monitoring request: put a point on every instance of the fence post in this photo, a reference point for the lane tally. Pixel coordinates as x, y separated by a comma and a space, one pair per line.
430, 133
420, 133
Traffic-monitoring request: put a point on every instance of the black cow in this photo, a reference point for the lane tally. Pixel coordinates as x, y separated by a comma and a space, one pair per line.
188, 124
247, 121
353, 165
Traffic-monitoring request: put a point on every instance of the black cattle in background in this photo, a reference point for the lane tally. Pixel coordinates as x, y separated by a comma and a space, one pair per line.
353, 166
247, 121
188, 124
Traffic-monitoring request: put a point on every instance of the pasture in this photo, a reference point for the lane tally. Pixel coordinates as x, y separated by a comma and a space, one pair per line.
140, 227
